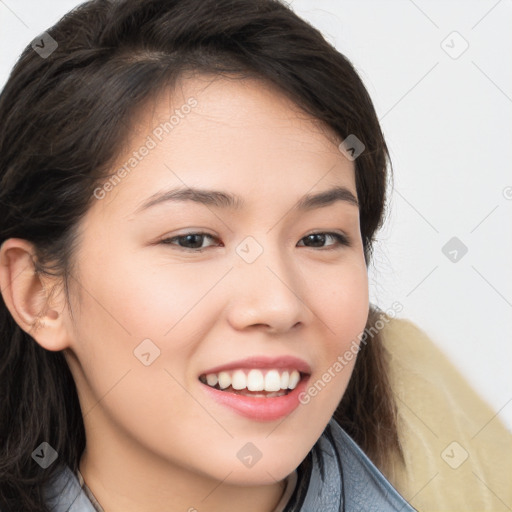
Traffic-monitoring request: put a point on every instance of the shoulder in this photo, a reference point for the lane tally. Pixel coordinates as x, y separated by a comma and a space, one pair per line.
457, 451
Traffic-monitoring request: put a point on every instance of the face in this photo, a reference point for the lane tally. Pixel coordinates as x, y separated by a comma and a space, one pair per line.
174, 299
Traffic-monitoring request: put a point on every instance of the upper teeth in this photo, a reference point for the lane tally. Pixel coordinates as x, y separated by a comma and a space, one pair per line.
255, 380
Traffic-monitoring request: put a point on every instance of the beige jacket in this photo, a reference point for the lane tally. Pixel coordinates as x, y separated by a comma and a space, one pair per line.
458, 452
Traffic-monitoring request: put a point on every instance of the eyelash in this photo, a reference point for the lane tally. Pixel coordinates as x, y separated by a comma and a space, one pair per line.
341, 239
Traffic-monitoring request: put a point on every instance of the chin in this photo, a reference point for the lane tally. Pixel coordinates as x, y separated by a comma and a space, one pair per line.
261, 474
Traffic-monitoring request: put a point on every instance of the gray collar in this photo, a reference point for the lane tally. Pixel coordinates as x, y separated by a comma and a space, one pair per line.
343, 479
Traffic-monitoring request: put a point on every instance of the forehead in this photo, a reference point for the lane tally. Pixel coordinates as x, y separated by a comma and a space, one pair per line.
252, 112
242, 136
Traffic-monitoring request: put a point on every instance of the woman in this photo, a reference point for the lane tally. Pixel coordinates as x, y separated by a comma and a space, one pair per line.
141, 368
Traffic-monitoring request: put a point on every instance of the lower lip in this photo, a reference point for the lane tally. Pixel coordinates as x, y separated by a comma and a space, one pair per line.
259, 408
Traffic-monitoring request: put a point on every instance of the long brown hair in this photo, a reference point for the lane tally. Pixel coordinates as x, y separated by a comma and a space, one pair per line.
65, 115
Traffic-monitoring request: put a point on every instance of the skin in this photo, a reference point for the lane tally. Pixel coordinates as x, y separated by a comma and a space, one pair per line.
155, 441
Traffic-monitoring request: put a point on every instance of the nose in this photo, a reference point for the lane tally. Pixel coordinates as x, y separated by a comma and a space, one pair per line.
267, 293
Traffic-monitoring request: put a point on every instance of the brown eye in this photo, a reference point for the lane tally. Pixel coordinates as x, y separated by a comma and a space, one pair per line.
192, 241
318, 240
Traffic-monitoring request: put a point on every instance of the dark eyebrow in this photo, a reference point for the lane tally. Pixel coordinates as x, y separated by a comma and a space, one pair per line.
220, 199
326, 198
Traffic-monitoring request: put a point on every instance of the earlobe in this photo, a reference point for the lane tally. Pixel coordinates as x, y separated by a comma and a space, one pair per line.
26, 295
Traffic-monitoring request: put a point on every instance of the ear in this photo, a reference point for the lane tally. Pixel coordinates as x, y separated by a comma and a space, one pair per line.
26, 294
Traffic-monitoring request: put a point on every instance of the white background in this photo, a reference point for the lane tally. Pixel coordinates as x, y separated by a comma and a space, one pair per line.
448, 124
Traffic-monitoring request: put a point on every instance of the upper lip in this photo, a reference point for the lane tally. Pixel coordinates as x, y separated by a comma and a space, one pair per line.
263, 362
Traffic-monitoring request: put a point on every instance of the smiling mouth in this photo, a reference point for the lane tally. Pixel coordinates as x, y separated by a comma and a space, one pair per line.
268, 383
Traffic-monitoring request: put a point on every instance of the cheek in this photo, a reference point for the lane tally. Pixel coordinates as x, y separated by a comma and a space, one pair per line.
344, 305
127, 311
137, 299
